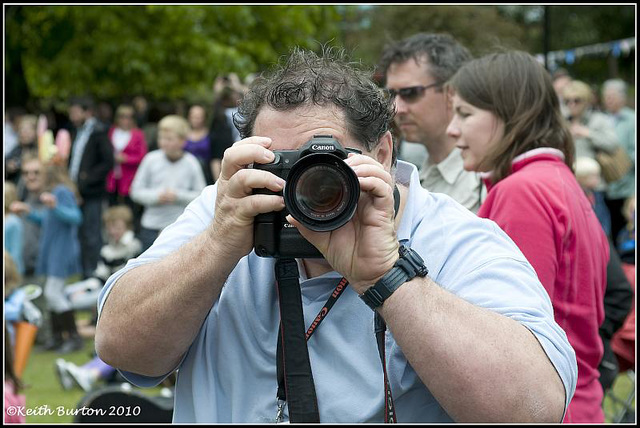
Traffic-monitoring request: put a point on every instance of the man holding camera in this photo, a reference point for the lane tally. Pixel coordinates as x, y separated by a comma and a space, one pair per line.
470, 334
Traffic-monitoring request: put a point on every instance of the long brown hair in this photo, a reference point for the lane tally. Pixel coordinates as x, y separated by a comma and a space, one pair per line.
55, 174
518, 90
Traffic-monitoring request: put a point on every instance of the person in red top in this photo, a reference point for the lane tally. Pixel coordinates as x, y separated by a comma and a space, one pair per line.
129, 147
508, 125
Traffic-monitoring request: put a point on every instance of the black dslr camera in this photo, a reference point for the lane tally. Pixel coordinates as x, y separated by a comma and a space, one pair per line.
321, 192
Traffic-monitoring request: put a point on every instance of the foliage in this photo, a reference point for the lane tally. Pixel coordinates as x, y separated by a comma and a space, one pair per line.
483, 29
157, 50
573, 26
477, 27
175, 52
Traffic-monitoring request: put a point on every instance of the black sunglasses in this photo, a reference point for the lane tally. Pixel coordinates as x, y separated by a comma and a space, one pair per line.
412, 93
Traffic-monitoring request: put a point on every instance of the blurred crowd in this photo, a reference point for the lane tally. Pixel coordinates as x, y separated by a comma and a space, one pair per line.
90, 188
101, 187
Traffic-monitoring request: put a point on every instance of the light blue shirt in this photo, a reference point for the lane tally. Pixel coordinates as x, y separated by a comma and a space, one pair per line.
229, 372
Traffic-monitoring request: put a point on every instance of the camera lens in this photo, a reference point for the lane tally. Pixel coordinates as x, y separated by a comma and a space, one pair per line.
322, 192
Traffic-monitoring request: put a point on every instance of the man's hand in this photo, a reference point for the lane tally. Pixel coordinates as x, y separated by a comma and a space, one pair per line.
366, 248
236, 205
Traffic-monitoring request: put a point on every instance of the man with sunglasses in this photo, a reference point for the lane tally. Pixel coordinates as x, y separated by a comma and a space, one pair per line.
415, 70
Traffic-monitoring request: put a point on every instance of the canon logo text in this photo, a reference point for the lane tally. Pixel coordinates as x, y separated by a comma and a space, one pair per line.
322, 147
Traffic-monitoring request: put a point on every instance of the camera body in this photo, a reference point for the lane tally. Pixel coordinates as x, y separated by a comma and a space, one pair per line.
321, 192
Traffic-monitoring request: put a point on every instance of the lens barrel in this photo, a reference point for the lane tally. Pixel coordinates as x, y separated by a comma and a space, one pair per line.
321, 192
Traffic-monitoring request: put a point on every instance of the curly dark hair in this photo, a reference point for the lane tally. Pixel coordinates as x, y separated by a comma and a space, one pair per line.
305, 78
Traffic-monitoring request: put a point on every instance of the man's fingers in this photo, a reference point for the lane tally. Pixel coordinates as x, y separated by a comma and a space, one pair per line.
366, 170
246, 180
365, 166
245, 152
376, 187
253, 205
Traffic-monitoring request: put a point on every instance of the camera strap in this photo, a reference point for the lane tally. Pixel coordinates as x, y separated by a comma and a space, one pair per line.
295, 380
299, 388
283, 386
389, 408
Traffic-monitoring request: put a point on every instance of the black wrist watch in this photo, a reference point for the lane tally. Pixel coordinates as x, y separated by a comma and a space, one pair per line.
407, 267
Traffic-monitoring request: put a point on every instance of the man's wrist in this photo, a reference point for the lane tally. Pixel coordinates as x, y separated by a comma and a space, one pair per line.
361, 286
408, 265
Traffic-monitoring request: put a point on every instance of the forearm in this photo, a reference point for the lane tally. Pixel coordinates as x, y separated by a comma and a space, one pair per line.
68, 213
479, 365
145, 196
165, 304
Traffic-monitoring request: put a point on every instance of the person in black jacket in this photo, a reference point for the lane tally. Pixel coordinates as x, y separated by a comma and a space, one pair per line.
90, 161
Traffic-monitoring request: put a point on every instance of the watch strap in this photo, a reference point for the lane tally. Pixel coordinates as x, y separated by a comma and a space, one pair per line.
408, 266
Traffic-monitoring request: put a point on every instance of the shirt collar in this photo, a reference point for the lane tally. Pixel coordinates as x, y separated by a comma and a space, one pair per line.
450, 168
538, 152
407, 174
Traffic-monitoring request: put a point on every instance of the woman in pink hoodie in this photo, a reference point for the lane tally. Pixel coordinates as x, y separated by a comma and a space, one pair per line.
508, 125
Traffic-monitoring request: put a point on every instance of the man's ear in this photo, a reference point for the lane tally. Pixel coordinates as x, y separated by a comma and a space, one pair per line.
384, 150
448, 95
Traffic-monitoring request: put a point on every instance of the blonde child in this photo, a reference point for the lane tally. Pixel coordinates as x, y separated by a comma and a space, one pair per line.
167, 179
121, 246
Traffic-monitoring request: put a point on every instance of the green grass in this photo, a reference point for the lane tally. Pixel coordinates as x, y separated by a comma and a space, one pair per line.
44, 394
43, 390
622, 387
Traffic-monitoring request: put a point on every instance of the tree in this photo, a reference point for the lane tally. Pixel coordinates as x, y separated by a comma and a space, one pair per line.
483, 29
175, 52
479, 28
166, 52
